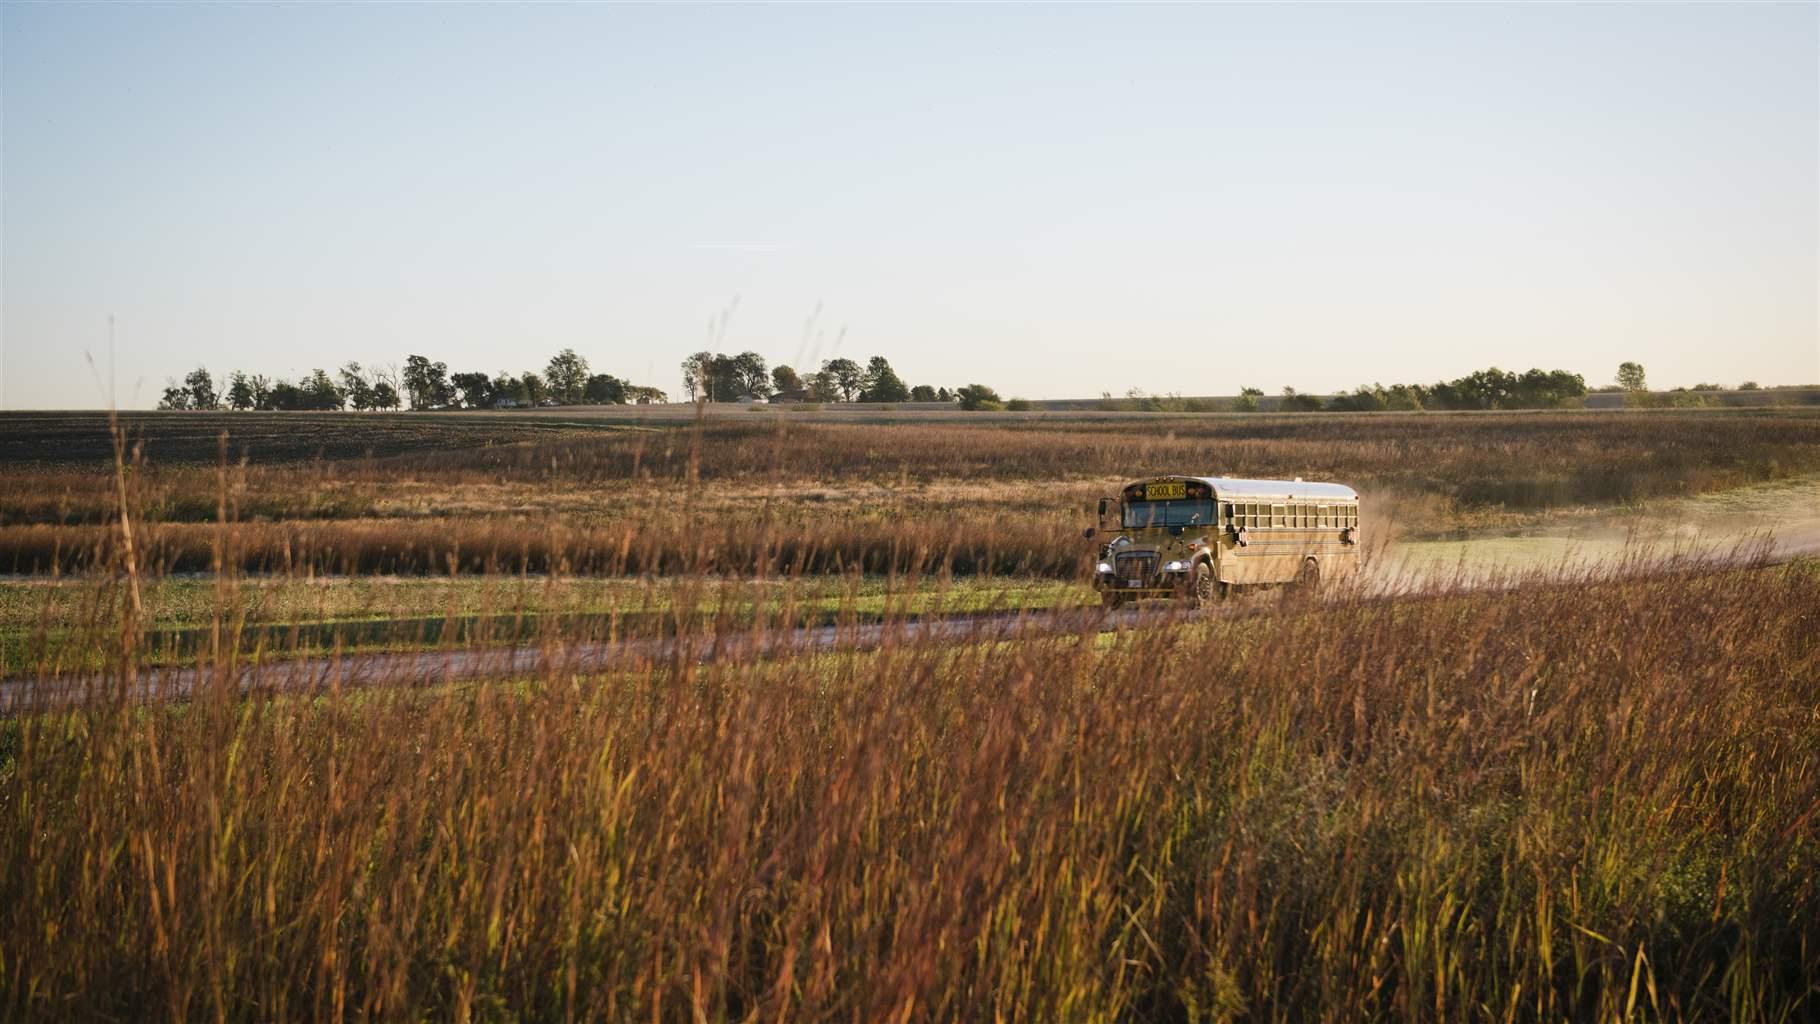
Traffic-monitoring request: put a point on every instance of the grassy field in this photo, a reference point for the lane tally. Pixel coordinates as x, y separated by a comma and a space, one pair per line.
788, 493
1583, 794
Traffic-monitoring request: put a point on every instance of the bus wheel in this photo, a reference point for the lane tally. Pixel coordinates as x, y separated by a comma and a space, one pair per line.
1309, 579
1203, 589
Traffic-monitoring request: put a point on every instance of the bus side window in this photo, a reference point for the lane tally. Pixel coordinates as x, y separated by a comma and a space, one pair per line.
1277, 515
1226, 512
1321, 515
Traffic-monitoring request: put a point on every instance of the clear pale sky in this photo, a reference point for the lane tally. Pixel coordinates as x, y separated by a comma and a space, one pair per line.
1056, 201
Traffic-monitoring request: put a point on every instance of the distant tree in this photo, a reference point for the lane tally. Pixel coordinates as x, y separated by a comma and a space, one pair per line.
1136, 400
1296, 402
697, 384
1749, 385
1631, 378
176, 396
1363, 399
567, 377
390, 376
536, 391
475, 389
743, 374
724, 380
882, 384
427, 383
944, 395
262, 391
507, 386
320, 393
355, 387
783, 378
1247, 400
1545, 389
719, 378
847, 377
283, 395
923, 393
385, 396
202, 389
1403, 397
979, 398
823, 387
643, 395
605, 389
240, 391
1018, 405
416, 379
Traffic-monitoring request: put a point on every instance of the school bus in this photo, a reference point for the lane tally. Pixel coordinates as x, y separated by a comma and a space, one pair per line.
1197, 538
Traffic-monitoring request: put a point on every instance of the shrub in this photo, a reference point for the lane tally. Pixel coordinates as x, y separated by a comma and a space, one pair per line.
979, 397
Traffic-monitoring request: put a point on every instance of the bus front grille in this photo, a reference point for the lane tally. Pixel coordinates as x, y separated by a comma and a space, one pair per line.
1136, 567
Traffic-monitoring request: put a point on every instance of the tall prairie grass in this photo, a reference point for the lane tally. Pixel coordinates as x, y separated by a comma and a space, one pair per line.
1587, 799
1047, 544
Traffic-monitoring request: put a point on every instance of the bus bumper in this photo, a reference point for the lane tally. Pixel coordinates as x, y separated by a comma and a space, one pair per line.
1164, 584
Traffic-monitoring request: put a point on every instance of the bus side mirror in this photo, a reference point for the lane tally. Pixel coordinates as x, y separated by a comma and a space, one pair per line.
1088, 533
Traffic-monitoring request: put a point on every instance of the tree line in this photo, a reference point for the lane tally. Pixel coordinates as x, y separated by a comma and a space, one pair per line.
1485, 389
713, 377
420, 384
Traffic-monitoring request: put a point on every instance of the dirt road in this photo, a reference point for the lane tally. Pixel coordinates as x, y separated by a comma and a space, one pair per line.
1392, 572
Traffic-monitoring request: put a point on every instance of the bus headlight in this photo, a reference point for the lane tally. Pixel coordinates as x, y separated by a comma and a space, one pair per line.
1104, 568
1176, 567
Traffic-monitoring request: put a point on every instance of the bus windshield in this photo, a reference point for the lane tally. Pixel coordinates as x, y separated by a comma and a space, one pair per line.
1141, 514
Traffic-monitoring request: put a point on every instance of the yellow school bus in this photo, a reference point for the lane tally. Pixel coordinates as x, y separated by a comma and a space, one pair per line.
1197, 538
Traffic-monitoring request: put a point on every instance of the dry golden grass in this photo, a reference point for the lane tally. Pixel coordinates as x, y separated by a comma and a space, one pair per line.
1582, 801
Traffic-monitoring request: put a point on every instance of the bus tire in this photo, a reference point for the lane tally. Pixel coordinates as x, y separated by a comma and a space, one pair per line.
1308, 580
1203, 589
